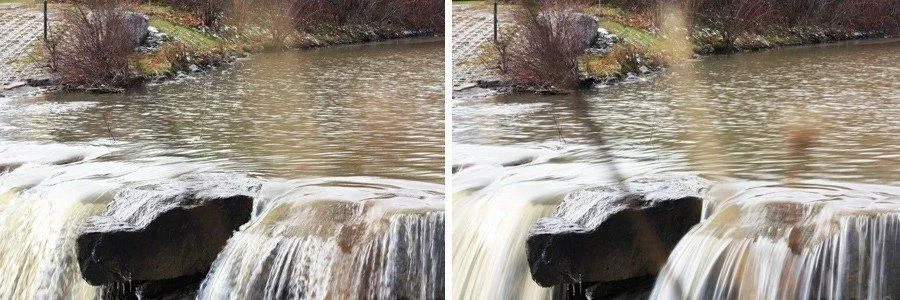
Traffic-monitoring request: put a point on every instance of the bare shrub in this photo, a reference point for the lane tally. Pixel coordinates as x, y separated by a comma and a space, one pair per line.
879, 15
421, 14
543, 51
732, 17
208, 11
406, 14
93, 45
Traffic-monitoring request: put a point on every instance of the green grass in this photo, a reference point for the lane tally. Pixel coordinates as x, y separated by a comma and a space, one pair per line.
187, 35
188, 45
635, 42
631, 34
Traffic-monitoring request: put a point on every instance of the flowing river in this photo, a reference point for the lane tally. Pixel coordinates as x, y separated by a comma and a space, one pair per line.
340, 148
801, 143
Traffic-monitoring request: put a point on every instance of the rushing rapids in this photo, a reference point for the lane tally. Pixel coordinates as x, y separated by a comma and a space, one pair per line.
338, 242
284, 130
812, 122
804, 239
800, 241
499, 193
329, 237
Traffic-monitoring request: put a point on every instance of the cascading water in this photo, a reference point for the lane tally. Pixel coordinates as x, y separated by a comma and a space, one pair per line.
69, 159
807, 241
48, 192
351, 240
499, 193
308, 239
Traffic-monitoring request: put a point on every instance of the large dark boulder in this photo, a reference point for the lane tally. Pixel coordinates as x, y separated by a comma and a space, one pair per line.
584, 25
614, 233
136, 24
163, 232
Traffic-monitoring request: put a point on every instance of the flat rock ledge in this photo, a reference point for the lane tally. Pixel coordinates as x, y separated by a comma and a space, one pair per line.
602, 237
159, 239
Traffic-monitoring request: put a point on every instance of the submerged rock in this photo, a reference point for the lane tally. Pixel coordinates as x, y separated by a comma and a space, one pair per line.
162, 232
614, 233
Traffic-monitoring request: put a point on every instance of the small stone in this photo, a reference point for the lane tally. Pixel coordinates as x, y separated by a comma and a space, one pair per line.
14, 84
39, 81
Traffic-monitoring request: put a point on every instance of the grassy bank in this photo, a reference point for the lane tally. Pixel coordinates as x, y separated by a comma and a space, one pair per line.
192, 37
641, 43
184, 45
648, 35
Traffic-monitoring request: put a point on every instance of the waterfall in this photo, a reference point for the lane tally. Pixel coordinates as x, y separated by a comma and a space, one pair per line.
307, 239
384, 245
499, 193
42, 204
47, 193
765, 245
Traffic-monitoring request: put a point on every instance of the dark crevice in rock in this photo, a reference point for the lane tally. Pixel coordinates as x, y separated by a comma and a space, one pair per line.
184, 287
627, 289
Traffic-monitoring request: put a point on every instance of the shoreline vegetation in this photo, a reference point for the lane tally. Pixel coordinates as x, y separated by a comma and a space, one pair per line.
110, 45
566, 45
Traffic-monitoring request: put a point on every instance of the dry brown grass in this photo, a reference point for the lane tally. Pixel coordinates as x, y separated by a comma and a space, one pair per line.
622, 59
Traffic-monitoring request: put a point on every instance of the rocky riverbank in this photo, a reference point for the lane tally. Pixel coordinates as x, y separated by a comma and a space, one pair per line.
169, 42
627, 45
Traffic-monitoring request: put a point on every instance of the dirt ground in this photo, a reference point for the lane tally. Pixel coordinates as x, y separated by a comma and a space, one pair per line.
20, 27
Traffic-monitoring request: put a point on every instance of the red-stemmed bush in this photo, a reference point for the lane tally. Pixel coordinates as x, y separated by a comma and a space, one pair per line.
91, 47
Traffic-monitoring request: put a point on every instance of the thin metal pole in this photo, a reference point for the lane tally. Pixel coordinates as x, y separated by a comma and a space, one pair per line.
495, 20
45, 20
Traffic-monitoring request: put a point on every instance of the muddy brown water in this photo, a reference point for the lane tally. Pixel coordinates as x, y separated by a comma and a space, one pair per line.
810, 127
364, 110
820, 112
344, 138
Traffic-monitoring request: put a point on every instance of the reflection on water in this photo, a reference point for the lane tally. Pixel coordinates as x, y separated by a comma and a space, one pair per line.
355, 110
847, 96
801, 143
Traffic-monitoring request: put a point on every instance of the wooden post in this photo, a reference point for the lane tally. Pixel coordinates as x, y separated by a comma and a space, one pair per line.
45, 20
495, 20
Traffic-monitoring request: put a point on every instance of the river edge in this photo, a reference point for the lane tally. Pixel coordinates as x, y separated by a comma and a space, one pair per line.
184, 48
517, 119
498, 85
599, 68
